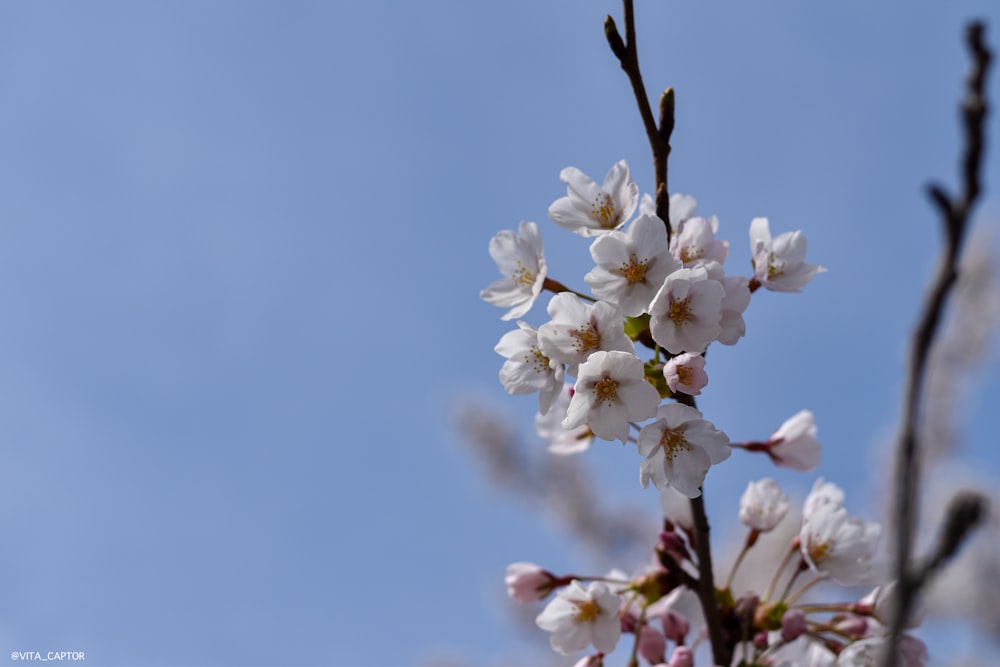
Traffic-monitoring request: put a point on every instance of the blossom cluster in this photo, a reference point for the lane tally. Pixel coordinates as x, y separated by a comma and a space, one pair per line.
662, 286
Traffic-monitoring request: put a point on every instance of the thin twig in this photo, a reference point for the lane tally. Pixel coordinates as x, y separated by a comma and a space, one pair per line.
658, 135
955, 214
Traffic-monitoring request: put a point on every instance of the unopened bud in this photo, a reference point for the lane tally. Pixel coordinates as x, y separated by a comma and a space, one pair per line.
854, 626
793, 624
675, 626
652, 645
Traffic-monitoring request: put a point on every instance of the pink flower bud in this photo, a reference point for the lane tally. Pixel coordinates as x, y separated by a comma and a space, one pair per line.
854, 626
760, 640
682, 657
652, 645
793, 624
675, 626
526, 582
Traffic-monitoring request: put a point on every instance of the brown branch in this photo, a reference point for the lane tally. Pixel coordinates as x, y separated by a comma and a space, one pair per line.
955, 215
659, 136
659, 142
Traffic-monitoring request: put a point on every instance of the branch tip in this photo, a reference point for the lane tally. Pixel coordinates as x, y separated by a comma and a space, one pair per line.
614, 38
667, 115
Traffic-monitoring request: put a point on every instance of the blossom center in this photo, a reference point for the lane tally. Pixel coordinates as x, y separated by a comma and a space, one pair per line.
588, 612
818, 551
606, 390
673, 441
679, 311
775, 267
690, 254
684, 374
522, 276
603, 210
634, 271
588, 338
535, 358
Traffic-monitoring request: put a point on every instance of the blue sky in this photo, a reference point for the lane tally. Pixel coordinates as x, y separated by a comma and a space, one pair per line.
241, 245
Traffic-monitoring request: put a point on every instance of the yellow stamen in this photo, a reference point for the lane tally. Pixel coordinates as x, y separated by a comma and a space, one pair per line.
606, 390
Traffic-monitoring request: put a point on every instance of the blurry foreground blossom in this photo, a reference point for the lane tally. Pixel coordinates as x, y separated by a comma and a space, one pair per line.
779, 263
519, 258
589, 209
579, 617
562, 440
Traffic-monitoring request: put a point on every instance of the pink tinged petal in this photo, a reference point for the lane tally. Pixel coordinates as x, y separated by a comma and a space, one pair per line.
623, 190
652, 469
581, 189
548, 394
790, 246
760, 234
687, 469
579, 406
649, 236
532, 236
609, 421
682, 207
640, 399
611, 249
712, 440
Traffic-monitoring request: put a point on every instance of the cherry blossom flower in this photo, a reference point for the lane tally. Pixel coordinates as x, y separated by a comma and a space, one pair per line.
763, 505
794, 444
778, 264
679, 448
590, 209
695, 243
527, 582
562, 441
578, 329
839, 545
686, 373
632, 265
611, 390
686, 313
519, 257
527, 368
579, 617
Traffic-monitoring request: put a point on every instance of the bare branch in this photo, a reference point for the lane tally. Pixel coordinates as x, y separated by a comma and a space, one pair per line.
955, 215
